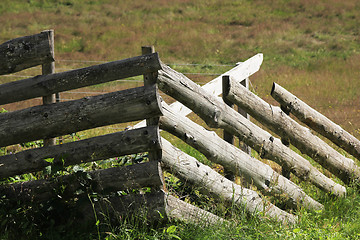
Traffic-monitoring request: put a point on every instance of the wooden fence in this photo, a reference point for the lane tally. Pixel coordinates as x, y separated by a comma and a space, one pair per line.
218, 114
57, 119
48, 121
280, 123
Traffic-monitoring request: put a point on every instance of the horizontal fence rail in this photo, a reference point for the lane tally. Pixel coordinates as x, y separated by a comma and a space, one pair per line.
44, 85
103, 180
88, 150
25, 52
68, 117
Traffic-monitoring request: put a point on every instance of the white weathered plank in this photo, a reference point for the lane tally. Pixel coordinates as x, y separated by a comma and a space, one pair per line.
218, 115
231, 157
316, 121
301, 137
214, 87
189, 168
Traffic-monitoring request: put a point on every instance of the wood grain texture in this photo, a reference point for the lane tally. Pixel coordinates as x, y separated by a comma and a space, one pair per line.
228, 137
150, 80
44, 85
68, 117
88, 150
25, 52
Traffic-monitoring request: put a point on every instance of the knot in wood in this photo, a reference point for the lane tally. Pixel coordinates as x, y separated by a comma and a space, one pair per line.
217, 116
26, 46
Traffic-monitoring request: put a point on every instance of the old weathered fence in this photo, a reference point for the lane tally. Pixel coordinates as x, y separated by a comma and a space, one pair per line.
25, 52
242, 164
51, 120
186, 167
48, 121
280, 123
217, 114
317, 121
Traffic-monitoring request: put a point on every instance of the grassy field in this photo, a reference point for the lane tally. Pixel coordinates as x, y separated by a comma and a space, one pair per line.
312, 48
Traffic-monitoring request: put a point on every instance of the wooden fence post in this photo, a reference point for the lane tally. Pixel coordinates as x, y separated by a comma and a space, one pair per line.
228, 137
49, 68
285, 171
242, 112
150, 80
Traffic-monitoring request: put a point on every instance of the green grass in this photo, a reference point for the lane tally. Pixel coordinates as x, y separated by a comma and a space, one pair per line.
312, 48
292, 33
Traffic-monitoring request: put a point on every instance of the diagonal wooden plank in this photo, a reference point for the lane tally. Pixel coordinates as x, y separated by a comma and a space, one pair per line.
214, 87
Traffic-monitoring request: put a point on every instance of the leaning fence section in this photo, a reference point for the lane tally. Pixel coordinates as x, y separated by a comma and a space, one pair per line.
144, 103
218, 113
